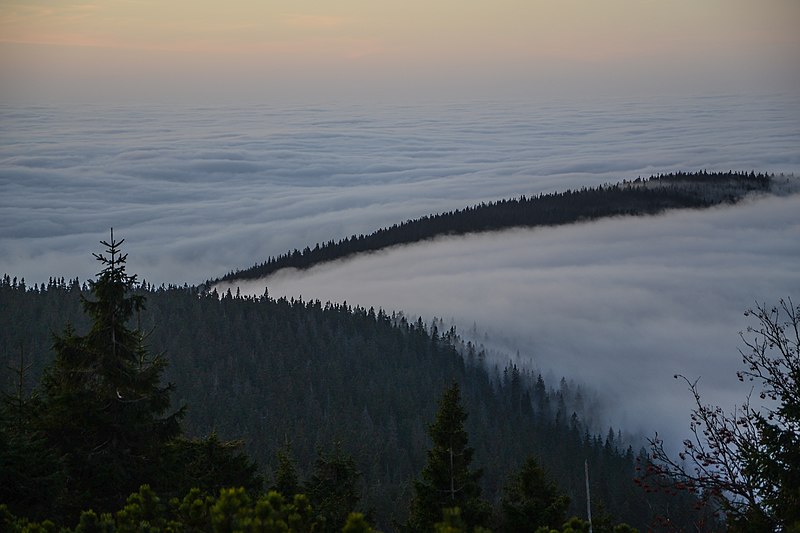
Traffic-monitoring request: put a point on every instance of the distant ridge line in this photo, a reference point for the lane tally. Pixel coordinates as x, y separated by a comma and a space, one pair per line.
648, 196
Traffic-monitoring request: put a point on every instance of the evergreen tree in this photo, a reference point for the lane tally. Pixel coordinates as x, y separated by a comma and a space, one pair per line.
447, 480
208, 464
31, 473
532, 500
333, 489
286, 482
275, 369
102, 405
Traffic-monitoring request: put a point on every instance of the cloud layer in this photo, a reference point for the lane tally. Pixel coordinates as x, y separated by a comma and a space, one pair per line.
621, 304
197, 191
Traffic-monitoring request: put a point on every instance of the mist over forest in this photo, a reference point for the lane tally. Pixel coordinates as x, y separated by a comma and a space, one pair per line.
621, 305
614, 305
575, 330
572, 328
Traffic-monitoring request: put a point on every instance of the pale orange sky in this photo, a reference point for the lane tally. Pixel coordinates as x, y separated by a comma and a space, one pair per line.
241, 47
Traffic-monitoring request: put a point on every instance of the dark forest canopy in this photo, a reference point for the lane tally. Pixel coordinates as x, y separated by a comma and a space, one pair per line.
327, 376
638, 197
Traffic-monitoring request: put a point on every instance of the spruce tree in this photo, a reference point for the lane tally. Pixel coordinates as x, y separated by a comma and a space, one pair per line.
31, 472
447, 480
333, 489
532, 500
103, 407
286, 481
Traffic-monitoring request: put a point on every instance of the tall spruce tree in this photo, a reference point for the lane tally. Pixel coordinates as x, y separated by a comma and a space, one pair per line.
103, 407
447, 480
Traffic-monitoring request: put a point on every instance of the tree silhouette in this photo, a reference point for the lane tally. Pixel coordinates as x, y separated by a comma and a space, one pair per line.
748, 462
98, 426
447, 480
103, 407
532, 500
333, 489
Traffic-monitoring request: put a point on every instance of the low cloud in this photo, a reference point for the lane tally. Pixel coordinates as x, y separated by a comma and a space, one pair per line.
198, 191
621, 304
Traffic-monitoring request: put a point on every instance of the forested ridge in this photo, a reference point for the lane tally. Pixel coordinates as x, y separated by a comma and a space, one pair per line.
325, 377
329, 389
628, 198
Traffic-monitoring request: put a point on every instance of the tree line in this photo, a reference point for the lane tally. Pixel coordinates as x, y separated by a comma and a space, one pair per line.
638, 197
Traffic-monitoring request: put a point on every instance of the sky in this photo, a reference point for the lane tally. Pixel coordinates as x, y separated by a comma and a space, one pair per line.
146, 50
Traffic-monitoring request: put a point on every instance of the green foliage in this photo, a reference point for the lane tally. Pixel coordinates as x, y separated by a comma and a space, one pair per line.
97, 427
773, 359
90, 522
208, 464
333, 488
143, 511
102, 407
192, 512
447, 480
451, 521
576, 525
312, 373
357, 523
625, 528
31, 472
286, 481
231, 510
532, 500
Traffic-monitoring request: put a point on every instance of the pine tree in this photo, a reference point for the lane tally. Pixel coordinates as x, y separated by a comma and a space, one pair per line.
447, 480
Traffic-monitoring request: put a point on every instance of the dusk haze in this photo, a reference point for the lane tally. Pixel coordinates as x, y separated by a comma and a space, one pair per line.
353, 50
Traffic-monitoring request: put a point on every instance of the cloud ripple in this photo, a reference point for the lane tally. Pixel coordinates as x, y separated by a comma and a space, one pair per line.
198, 191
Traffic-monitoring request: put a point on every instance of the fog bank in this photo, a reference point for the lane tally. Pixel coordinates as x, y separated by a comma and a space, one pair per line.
620, 304
199, 191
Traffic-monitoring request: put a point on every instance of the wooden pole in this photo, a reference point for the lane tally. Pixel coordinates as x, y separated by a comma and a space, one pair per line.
588, 496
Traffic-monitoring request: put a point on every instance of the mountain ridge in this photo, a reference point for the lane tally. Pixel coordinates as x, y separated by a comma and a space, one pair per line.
648, 196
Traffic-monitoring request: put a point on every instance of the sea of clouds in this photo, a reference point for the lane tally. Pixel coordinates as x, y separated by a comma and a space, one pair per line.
622, 304
198, 191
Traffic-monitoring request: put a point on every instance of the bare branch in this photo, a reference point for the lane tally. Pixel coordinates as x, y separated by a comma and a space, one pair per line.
740, 460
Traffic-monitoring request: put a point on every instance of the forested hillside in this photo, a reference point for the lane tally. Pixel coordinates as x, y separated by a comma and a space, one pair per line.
639, 197
318, 376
